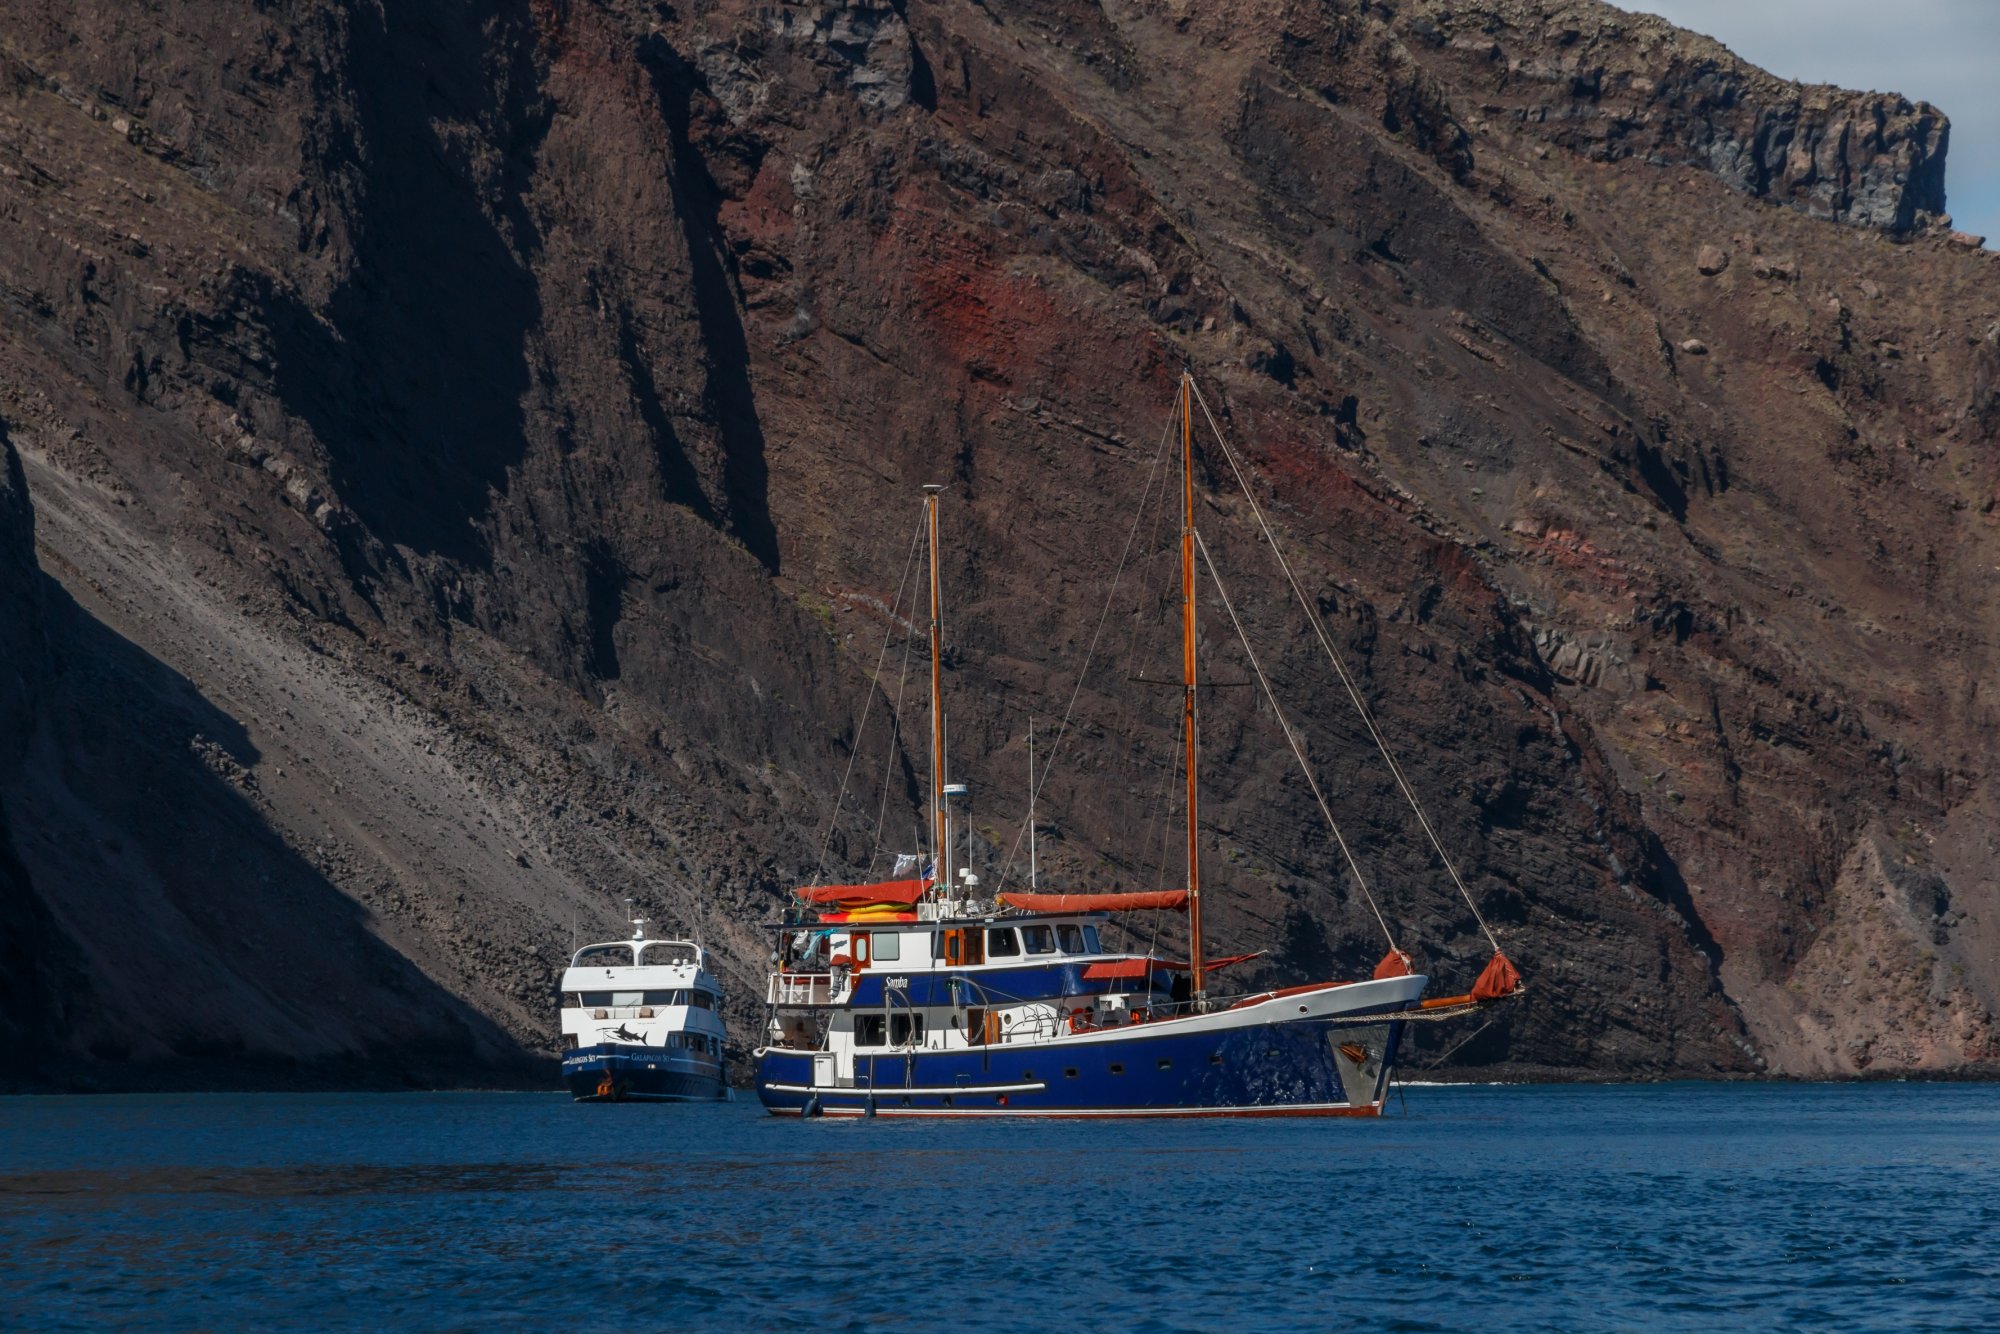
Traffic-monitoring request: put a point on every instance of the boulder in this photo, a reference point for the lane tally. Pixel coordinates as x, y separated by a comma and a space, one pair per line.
1694, 347
1711, 259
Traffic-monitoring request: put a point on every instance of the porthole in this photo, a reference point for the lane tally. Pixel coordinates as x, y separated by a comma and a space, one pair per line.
1166, 1063
1070, 1072
1215, 1058
1117, 1069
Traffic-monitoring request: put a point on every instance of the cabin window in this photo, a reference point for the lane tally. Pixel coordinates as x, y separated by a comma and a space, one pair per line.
888, 946
1000, 942
871, 1030
572, 999
905, 1029
1071, 936
604, 956
857, 947
628, 998
655, 956
1039, 939
1090, 944
666, 998
701, 1000
596, 997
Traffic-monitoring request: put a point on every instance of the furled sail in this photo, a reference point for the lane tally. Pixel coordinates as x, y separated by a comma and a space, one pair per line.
850, 896
1105, 902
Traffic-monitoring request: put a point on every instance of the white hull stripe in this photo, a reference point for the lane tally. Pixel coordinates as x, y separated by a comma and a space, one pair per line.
1281, 1109
951, 1090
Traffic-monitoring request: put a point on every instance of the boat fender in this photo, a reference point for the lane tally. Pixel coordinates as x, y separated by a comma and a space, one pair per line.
812, 1106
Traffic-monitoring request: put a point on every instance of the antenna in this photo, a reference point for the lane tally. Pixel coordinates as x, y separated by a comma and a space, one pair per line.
638, 923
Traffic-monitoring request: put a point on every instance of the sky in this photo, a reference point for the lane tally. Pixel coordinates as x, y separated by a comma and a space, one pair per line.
1945, 52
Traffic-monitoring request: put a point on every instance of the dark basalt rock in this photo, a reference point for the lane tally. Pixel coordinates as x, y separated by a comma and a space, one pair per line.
475, 449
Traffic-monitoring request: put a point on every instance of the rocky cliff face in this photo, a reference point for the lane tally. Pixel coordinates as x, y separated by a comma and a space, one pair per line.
474, 447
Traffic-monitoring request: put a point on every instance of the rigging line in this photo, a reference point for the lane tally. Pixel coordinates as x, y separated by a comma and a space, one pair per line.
1291, 739
874, 686
1340, 668
1453, 1049
895, 740
1062, 731
1155, 551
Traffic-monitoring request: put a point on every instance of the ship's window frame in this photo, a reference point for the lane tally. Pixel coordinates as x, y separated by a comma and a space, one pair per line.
906, 1028
621, 1000
672, 954
887, 946
572, 1000
995, 935
1070, 936
871, 1029
1092, 944
702, 1000
663, 996
1035, 931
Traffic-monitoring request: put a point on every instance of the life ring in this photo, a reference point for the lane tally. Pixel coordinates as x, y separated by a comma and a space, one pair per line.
1079, 1021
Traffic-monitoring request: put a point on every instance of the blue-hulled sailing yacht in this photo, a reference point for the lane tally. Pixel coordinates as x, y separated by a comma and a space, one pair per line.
917, 997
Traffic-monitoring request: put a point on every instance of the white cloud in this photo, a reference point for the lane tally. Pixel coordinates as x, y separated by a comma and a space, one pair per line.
1939, 51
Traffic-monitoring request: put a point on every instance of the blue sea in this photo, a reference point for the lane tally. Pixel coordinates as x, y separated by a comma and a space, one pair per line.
1681, 1206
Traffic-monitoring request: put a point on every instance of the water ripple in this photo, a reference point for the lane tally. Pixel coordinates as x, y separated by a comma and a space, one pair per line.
1664, 1207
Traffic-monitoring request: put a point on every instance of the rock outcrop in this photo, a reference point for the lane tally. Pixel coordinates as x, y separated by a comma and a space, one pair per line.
1610, 85
474, 449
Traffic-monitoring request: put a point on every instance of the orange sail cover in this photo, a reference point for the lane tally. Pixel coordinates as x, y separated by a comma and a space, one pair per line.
885, 891
1499, 980
1165, 898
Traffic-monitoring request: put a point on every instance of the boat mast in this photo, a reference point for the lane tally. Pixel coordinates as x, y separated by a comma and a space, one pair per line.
1198, 985
940, 841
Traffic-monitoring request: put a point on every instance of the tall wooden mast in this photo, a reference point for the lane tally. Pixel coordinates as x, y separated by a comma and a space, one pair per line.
940, 844
1198, 988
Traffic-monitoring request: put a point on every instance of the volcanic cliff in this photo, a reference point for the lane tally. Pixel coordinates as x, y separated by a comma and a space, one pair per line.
459, 461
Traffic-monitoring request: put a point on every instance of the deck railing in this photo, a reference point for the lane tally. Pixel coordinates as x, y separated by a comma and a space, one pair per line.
801, 989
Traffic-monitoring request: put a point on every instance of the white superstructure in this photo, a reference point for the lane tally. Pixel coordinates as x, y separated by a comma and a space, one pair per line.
642, 1018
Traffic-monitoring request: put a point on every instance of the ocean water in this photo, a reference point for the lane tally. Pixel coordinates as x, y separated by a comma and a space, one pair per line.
1683, 1206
